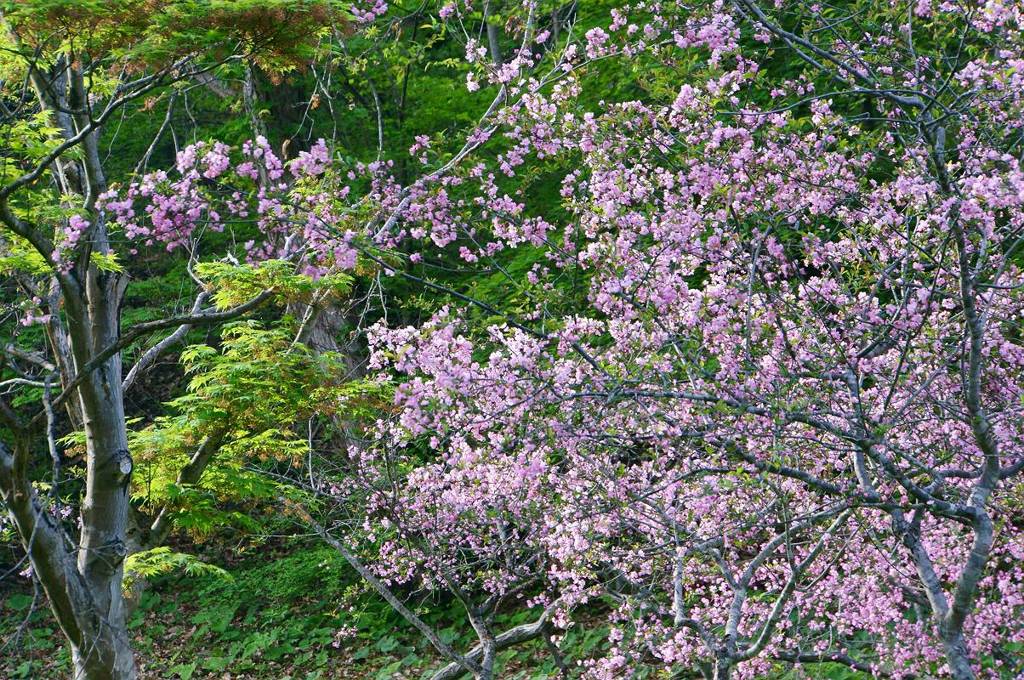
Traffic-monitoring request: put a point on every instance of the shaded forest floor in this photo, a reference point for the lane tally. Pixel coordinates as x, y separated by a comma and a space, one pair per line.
295, 615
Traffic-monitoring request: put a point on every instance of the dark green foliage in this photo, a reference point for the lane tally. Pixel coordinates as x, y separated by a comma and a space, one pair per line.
285, 611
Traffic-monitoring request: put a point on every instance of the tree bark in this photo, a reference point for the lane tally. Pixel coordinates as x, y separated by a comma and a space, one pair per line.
493, 34
958, 657
106, 653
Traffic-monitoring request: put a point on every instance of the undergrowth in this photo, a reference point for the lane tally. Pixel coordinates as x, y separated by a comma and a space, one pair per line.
302, 615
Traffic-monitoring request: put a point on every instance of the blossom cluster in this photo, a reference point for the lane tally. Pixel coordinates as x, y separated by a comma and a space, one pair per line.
762, 418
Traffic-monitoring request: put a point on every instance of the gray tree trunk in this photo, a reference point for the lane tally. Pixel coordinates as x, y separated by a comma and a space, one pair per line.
102, 546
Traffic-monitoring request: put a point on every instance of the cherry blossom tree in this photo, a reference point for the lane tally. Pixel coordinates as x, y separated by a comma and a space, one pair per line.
758, 394
786, 417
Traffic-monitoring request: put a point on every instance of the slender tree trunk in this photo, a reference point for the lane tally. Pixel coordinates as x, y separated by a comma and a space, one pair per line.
102, 551
104, 652
83, 582
958, 657
106, 657
493, 34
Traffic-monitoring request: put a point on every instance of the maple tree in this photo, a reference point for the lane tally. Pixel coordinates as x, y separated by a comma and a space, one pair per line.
68, 69
781, 422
